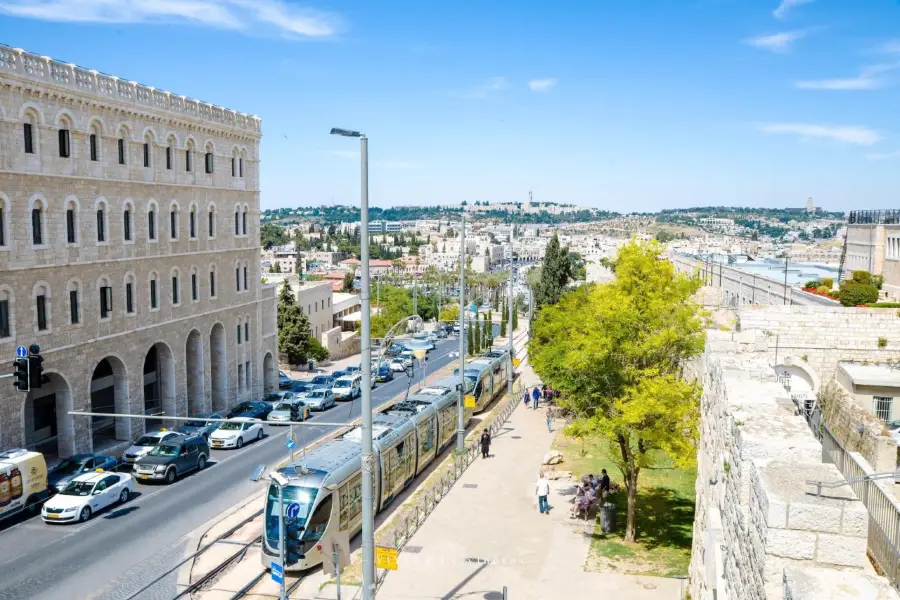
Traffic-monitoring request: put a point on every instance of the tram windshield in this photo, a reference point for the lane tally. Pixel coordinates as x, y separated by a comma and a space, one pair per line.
304, 496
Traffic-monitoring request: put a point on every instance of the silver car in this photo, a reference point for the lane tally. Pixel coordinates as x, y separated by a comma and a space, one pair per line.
145, 444
320, 399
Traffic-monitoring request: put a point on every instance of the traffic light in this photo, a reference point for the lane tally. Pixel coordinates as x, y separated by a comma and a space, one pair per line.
20, 372
292, 544
295, 412
35, 370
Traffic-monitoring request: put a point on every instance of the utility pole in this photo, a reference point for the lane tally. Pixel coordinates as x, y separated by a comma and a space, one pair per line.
415, 295
785, 277
511, 377
460, 424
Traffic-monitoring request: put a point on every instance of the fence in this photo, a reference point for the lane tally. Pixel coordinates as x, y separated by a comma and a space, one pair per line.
884, 511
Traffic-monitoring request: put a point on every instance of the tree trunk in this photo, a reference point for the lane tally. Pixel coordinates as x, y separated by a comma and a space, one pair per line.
630, 472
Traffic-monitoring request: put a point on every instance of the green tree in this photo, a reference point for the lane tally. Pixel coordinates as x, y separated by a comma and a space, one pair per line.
855, 294
556, 271
293, 327
514, 322
316, 350
450, 314
616, 351
347, 285
271, 235
396, 304
470, 338
664, 235
503, 320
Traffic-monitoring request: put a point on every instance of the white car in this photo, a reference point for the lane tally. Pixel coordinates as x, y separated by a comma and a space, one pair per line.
397, 365
86, 495
236, 432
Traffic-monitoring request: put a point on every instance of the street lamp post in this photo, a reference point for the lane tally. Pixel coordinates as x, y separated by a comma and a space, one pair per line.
509, 384
367, 459
460, 424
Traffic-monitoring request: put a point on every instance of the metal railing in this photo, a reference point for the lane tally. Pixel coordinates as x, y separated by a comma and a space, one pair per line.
874, 217
884, 511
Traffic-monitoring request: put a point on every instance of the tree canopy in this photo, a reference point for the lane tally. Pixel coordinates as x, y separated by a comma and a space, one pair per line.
556, 271
293, 328
615, 352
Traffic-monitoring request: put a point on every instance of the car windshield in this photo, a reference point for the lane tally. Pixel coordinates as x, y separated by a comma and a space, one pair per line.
242, 407
274, 397
78, 488
343, 383
283, 406
165, 450
231, 426
148, 440
893, 424
194, 424
316, 394
321, 379
67, 467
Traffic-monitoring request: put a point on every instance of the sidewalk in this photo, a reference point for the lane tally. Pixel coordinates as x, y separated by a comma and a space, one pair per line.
487, 533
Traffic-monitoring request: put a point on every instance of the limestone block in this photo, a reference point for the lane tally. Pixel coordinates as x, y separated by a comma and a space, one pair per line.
814, 517
855, 521
810, 583
786, 543
841, 550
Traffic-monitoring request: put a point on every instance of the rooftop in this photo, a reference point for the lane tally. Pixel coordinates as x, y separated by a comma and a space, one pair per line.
880, 375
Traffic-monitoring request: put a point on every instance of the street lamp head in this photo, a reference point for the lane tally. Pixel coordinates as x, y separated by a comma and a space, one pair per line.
279, 479
345, 132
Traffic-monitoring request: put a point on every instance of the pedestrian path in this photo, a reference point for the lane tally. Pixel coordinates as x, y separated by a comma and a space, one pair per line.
487, 533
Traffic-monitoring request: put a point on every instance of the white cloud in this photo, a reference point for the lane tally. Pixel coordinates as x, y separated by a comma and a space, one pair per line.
238, 15
489, 87
776, 42
786, 5
867, 80
849, 134
884, 156
542, 85
891, 47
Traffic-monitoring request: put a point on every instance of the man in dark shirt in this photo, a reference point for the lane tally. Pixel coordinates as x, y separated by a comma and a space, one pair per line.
604, 484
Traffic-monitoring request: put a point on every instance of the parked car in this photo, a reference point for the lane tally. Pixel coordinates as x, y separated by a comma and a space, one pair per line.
320, 399
398, 365
72, 467
384, 373
339, 374
289, 410
145, 444
30, 469
283, 380
201, 426
301, 387
235, 433
325, 381
175, 456
87, 494
393, 350
251, 410
347, 387
280, 396
407, 357
441, 334
354, 368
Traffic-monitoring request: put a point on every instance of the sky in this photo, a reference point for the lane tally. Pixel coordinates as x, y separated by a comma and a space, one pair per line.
634, 105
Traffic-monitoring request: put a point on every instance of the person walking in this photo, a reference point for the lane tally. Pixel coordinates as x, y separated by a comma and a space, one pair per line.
543, 491
485, 444
604, 484
536, 396
549, 421
526, 397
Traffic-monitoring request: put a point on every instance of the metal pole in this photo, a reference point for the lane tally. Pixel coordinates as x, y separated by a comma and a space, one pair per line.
415, 295
460, 424
281, 535
337, 572
785, 277
368, 459
291, 434
511, 375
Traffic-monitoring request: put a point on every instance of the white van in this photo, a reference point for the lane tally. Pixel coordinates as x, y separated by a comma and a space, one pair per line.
347, 387
23, 482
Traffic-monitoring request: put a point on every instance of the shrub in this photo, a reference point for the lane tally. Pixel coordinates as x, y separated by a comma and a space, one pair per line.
882, 342
863, 277
824, 289
315, 350
884, 305
812, 283
828, 282
878, 281
855, 294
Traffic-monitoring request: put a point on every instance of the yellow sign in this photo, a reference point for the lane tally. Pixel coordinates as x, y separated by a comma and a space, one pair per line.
516, 362
470, 402
386, 558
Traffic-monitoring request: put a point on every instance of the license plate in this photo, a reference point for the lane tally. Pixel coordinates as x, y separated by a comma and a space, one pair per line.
52, 516
144, 476
217, 443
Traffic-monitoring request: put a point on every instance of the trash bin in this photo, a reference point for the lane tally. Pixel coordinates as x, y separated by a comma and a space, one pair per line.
311, 365
607, 517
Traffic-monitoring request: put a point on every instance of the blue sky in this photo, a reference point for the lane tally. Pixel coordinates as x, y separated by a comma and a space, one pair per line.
627, 106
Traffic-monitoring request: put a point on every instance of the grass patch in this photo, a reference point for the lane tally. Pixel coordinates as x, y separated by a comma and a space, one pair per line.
664, 519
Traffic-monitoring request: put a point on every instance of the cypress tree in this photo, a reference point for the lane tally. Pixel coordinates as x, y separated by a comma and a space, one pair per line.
556, 271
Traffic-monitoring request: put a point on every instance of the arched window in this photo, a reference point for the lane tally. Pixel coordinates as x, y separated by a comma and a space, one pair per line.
106, 304
38, 221
246, 279
241, 163
30, 131
173, 221
246, 328
94, 141
192, 221
122, 145
101, 209
188, 156
237, 278
212, 281
211, 221
239, 332
195, 285
209, 157
153, 281
171, 144
74, 296
148, 149
128, 221
64, 136
42, 311
175, 275
4, 217
237, 220
129, 291
152, 210
72, 213
234, 162
7, 322
244, 219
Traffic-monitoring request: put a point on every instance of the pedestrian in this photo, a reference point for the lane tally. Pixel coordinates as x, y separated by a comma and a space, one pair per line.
536, 396
543, 491
604, 484
527, 398
549, 421
485, 444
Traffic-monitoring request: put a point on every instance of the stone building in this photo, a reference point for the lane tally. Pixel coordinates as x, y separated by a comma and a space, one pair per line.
129, 250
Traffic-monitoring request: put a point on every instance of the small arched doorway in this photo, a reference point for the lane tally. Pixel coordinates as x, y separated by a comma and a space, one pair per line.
195, 374
219, 367
159, 384
109, 394
49, 428
270, 374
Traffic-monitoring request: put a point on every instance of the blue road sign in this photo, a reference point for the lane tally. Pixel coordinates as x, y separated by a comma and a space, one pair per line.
290, 444
21, 351
473, 308
277, 572
293, 510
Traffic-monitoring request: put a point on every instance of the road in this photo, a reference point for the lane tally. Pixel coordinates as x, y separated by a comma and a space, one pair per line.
124, 548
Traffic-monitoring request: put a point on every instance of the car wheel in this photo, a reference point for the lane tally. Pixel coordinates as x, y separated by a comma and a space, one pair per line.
259, 434
32, 506
201, 463
170, 476
85, 514
123, 497
240, 442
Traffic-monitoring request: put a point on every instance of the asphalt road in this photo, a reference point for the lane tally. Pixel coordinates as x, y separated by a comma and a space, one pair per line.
125, 547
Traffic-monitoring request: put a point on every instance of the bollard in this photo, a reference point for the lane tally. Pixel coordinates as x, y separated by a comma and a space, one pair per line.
607, 517
505, 597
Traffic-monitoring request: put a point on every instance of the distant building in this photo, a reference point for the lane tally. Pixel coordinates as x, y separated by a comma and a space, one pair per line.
873, 244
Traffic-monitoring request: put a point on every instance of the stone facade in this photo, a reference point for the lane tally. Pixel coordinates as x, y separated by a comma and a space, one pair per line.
129, 250
756, 517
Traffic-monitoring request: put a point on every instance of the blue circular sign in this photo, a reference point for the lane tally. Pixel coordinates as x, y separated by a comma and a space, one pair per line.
21, 351
290, 444
293, 510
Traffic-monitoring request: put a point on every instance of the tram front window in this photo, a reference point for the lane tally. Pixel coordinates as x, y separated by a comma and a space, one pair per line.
318, 522
303, 496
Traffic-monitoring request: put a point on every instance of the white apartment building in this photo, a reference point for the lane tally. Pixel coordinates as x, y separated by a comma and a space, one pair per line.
129, 250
